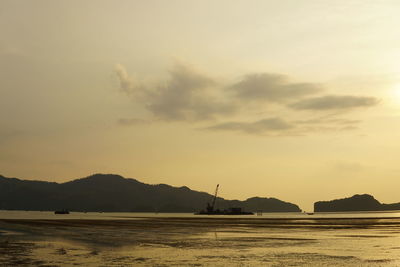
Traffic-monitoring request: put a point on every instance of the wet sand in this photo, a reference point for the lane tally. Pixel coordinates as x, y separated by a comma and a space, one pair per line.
205, 241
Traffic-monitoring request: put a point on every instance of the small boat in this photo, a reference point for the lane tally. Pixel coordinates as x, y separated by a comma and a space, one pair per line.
64, 211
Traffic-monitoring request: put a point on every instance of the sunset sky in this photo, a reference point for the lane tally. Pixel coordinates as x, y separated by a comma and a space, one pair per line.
298, 100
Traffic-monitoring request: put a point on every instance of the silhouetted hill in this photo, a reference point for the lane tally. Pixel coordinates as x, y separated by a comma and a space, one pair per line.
108, 192
355, 203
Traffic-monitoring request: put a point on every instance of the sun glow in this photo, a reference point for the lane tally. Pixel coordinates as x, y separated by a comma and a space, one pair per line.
395, 94
396, 90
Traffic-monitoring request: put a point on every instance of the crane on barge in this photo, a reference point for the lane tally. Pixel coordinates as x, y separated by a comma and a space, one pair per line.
210, 209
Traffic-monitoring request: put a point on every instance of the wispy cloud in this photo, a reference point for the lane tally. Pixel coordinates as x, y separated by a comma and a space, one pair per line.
345, 166
187, 95
126, 84
335, 102
327, 119
281, 127
191, 96
258, 127
327, 124
272, 88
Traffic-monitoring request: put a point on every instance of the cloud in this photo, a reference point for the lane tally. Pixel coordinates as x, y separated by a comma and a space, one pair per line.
272, 88
279, 126
324, 120
328, 123
187, 95
344, 166
334, 102
190, 96
274, 125
126, 84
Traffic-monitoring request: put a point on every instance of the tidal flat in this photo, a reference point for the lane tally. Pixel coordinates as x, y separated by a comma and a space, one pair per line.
200, 241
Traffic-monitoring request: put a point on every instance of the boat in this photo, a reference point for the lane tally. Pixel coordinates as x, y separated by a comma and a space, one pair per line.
63, 211
231, 211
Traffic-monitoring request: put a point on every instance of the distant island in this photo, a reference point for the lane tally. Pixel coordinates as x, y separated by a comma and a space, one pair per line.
114, 193
363, 202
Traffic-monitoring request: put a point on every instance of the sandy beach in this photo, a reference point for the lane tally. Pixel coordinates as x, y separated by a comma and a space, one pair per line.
191, 241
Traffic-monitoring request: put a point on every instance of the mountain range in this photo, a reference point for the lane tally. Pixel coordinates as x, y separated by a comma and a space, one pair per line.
114, 193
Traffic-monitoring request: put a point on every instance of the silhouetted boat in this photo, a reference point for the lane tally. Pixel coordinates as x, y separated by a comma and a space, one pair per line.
231, 211
64, 211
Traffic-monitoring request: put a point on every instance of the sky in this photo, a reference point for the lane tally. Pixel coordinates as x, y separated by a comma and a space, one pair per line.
298, 100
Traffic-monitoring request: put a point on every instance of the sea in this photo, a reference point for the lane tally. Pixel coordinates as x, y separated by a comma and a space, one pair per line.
33, 238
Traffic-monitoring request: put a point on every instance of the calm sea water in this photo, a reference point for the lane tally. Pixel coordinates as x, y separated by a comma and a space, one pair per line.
47, 215
148, 239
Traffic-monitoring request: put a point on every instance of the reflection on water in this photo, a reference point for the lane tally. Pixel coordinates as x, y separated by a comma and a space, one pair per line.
127, 239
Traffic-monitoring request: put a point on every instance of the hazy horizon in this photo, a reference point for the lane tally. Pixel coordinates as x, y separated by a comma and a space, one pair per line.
287, 99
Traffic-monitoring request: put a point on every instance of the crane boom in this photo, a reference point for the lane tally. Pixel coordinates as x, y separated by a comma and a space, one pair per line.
215, 197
